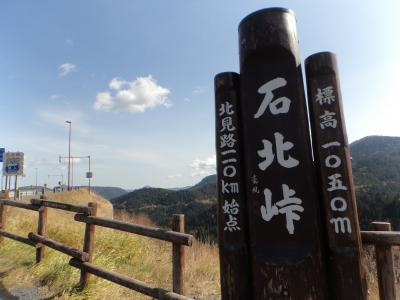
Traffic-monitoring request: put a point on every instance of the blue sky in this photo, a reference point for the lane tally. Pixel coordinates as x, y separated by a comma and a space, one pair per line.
149, 66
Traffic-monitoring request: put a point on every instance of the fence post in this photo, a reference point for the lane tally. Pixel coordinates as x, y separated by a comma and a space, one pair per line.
384, 264
41, 231
3, 217
178, 257
88, 243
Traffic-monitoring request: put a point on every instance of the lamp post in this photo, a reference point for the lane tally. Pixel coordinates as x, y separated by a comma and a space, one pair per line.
36, 174
69, 155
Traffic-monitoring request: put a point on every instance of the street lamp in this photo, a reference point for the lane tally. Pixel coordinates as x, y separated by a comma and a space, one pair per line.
69, 155
36, 174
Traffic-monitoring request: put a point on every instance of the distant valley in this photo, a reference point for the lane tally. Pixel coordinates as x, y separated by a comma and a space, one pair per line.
376, 170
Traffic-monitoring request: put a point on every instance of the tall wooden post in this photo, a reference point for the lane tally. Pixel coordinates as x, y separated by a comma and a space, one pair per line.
42, 222
332, 156
384, 264
232, 211
3, 217
178, 257
286, 248
88, 243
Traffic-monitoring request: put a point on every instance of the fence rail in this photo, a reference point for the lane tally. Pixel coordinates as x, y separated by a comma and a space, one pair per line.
381, 237
81, 259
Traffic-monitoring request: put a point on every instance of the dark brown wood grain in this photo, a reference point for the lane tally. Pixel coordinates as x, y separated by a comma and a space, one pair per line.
178, 257
385, 266
62, 206
285, 227
157, 233
125, 281
42, 221
58, 246
20, 204
347, 276
232, 206
382, 238
88, 243
18, 238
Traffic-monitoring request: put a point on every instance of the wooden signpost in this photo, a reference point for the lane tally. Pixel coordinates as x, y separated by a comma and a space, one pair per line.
287, 259
301, 229
232, 211
331, 151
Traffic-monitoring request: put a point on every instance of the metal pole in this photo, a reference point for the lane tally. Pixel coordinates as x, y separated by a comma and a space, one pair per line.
36, 175
72, 173
89, 173
15, 187
69, 155
285, 226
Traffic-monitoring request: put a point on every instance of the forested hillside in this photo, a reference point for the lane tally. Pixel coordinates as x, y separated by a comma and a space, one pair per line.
197, 203
376, 170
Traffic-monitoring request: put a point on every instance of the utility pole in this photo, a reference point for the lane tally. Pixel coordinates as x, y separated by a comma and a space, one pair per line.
90, 174
36, 175
69, 155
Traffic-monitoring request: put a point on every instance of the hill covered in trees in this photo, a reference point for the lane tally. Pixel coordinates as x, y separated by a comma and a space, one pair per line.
376, 171
198, 203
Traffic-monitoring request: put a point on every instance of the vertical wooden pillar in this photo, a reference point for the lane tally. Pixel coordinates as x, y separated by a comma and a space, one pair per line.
88, 243
232, 209
178, 257
285, 226
385, 266
338, 199
42, 222
3, 218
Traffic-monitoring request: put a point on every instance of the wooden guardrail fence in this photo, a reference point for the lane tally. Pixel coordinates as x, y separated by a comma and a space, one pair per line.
381, 237
81, 259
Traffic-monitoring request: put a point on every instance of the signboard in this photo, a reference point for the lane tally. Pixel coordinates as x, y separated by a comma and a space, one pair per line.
232, 208
331, 151
89, 175
2, 150
285, 227
13, 164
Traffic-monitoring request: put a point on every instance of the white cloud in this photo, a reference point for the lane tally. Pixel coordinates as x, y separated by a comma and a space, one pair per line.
203, 167
66, 68
54, 97
198, 90
132, 96
175, 176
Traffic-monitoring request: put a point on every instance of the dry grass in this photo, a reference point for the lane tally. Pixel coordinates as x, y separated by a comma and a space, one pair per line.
135, 256
138, 257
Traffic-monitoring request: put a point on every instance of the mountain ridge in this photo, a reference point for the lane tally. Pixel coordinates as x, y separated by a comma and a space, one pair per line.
376, 173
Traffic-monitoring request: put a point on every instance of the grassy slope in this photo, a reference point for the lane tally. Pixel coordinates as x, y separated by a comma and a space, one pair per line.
138, 257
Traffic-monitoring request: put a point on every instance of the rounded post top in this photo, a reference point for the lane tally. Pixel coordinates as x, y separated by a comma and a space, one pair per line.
226, 80
264, 11
269, 32
321, 62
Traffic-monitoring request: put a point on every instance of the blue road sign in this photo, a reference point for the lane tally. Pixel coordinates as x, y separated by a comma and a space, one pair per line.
2, 150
